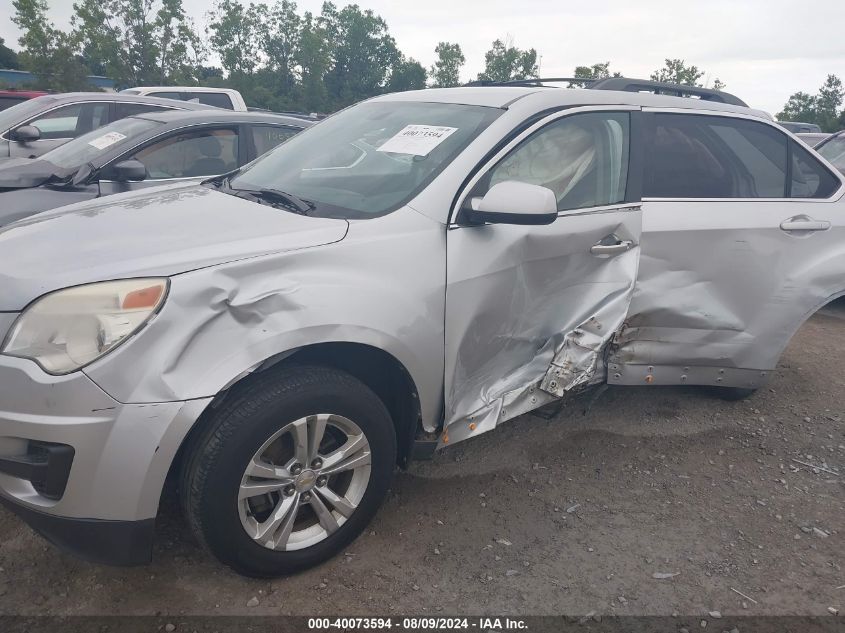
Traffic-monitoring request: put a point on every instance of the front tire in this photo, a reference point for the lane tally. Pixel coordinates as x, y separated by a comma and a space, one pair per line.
289, 470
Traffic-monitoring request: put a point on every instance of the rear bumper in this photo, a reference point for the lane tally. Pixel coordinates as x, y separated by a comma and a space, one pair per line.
95, 540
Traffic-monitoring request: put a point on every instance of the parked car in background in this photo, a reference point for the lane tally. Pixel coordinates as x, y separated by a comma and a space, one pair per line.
812, 138
36, 126
833, 149
218, 97
797, 127
138, 152
9, 98
408, 274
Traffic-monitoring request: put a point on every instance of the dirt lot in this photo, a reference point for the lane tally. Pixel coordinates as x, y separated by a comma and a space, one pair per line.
568, 515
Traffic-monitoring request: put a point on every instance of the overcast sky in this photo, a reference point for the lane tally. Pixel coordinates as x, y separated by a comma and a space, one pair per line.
764, 50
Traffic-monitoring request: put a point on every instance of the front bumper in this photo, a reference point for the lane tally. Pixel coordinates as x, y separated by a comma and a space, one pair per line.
120, 459
110, 542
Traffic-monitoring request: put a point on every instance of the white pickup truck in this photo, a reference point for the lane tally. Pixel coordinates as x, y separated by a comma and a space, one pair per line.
218, 97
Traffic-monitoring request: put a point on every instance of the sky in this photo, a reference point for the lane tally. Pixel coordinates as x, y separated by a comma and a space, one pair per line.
764, 50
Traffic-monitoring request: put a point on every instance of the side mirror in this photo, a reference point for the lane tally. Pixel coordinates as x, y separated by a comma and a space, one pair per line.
128, 170
512, 202
26, 134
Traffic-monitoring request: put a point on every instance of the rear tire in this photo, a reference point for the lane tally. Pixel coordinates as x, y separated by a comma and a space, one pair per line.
289, 470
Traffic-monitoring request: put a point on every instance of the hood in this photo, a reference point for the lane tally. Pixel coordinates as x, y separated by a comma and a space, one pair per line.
157, 232
22, 173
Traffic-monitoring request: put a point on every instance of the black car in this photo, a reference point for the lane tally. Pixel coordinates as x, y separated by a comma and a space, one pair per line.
833, 149
137, 152
36, 126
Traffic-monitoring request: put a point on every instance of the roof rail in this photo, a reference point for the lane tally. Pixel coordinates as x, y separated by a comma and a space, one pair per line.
533, 81
626, 85
659, 87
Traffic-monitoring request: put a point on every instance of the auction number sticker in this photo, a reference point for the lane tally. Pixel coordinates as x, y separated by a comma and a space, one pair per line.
417, 140
107, 140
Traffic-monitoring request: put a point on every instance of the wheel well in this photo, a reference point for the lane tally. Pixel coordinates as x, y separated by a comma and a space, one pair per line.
382, 373
377, 369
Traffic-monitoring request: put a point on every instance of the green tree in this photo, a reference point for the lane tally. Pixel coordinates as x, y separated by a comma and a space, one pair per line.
8, 57
280, 33
446, 71
363, 52
505, 62
46, 52
600, 70
313, 59
800, 107
675, 71
406, 74
823, 108
718, 84
829, 103
234, 32
139, 41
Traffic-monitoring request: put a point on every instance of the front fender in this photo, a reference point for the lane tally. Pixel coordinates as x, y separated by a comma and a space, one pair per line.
382, 286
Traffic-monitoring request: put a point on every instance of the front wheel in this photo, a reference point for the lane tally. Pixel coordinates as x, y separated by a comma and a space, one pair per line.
290, 469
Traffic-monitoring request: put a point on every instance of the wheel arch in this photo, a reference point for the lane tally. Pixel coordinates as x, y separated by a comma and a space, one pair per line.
385, 375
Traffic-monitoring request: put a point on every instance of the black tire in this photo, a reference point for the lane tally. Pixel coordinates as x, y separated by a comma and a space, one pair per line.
733, 394
251, 414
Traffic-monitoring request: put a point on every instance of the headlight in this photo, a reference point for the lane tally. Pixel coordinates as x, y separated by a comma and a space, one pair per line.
65, 330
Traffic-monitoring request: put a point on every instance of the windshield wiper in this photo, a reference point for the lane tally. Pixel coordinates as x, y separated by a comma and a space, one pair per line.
287, 199
274, 197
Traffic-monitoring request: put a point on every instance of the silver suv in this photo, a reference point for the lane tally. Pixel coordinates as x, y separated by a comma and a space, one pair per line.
408, 274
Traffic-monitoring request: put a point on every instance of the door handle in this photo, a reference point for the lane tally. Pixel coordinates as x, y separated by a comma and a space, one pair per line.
611, 249
804, 223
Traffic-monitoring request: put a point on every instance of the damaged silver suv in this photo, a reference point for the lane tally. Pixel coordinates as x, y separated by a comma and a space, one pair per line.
408, 274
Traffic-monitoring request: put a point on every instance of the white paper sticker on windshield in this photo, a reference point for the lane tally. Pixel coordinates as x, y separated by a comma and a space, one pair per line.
107, 140
417, 140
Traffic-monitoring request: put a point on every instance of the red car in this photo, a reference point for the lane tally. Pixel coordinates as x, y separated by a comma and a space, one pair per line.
8, 98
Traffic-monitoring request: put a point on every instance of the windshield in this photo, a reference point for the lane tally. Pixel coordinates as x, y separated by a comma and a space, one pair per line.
19, 113
369, 159
834, 152
88, 147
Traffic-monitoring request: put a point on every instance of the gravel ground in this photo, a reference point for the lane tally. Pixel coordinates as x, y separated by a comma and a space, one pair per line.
658, 500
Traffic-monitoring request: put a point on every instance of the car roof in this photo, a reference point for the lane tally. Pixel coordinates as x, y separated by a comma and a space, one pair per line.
545, 97
219, 115
73, 97
181, 88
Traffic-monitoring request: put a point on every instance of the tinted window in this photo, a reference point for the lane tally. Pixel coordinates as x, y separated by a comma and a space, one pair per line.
834, 151
8, 102
191, 154
810, 179
123, 110
167, 95
699, 156
582, 158
71, 120
266, 137
216, 99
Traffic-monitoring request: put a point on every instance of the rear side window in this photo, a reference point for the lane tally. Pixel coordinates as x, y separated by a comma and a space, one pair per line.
8, 102
216, 99
810, 179
582, 158
702, 156
699, 156
266, 137
123, 110
167, 95
191, 154
71, 120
